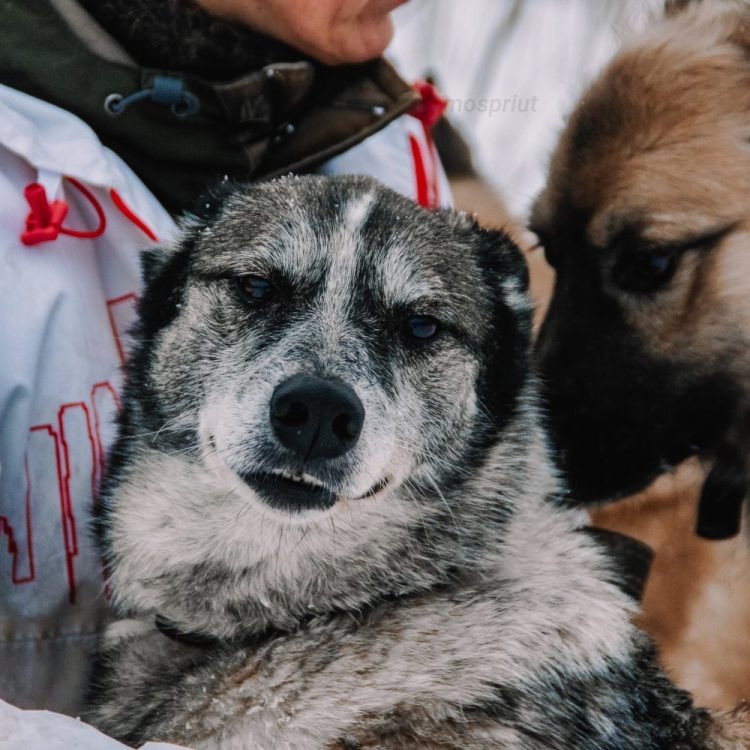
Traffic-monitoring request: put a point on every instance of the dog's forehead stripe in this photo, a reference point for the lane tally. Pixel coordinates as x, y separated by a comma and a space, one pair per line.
345, 246
342, 249
356, 212
394, 265
322, 244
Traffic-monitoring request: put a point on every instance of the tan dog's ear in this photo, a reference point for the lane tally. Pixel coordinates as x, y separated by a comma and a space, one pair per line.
673, 7
737, 13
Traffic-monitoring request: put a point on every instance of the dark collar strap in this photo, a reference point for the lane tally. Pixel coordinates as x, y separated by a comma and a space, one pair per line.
196, 640
631, 559
725, 491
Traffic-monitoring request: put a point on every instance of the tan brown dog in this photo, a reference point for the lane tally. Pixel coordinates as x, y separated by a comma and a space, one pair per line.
646, 347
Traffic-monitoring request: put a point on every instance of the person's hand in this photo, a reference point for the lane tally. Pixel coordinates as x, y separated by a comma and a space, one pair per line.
332, 31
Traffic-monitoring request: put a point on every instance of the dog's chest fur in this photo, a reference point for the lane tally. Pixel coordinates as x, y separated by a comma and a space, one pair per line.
540, 656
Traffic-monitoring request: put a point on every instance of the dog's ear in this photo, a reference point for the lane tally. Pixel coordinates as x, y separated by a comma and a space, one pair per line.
165, 272
508, 340
155, 259
500, 257
205, 211
207, 207
503, 258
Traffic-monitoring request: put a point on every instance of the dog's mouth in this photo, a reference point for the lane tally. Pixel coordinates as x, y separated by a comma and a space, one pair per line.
296, 492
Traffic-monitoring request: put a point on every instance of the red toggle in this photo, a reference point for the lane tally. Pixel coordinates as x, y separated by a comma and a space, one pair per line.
432, 106
44, 222
45, 219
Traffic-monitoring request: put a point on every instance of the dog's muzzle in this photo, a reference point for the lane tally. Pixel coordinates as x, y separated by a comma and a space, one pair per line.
316, 420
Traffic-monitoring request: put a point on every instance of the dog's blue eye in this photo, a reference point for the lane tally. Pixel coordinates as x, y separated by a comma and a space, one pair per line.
656, 264
422, 327
645, 272
255, 289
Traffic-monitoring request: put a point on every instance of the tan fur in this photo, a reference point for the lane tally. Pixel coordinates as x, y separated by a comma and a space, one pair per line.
677, 160
733, 729
672, 155
684, 172
697, 601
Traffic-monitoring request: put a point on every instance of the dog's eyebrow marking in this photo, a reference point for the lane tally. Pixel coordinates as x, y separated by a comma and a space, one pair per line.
403, 282
344, 246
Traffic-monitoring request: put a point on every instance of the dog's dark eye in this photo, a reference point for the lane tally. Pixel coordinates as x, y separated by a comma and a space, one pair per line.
422, 327
255, 289
645, 271
551, 256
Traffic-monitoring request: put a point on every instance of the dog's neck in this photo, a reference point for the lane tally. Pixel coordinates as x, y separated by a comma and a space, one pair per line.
179, 35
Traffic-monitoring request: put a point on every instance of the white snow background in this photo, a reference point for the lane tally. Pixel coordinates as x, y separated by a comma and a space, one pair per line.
538, 53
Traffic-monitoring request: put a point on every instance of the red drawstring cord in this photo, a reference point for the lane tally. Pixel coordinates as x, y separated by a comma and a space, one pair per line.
431, 106
86, 234
44, 219
44, 222
428, 111
129, 214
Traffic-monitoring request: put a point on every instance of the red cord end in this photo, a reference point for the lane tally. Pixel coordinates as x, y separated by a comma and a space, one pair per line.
45, 219
432, 106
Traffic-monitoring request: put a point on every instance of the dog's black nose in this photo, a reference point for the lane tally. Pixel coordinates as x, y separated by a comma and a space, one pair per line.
316, 417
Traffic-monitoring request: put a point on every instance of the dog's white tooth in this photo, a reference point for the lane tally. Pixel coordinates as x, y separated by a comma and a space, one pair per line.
311, 480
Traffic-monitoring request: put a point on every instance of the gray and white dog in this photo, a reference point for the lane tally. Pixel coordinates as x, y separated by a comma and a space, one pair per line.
330, 517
